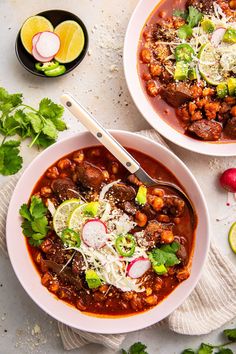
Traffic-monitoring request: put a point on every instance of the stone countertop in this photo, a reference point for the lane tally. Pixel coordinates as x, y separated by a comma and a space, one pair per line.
99, 83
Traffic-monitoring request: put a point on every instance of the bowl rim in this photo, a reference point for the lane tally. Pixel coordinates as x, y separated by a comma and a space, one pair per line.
76, 61
103, 324
136, 23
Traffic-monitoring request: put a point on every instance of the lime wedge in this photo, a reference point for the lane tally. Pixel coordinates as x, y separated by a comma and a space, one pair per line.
77, 218
62, 214
209, 65
232, 237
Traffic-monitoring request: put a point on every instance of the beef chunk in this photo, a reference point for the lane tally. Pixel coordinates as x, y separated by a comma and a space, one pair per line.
152, 234
65, 188
203, 6
173, 205
149, 211
63, 273
78, 264
182, 253
121, 192
128, 207
89, 175
206, 129
230, 128
56, 254
176, 94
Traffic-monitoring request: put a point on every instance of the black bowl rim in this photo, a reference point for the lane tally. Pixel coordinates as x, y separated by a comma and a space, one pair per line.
77, 60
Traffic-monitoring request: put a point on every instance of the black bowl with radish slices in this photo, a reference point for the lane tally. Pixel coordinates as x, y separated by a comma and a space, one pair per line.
46, 45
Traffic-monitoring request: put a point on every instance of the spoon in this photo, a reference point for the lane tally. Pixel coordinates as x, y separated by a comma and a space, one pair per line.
119, 151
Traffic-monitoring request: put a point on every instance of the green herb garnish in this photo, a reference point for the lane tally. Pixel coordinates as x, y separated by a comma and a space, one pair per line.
40, 125
185, 32
35, 224
163, 257
192, 18
136, 348
204, 348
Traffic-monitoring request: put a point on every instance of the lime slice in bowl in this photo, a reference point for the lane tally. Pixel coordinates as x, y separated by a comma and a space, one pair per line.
77, 218
62, 214
232, 237
209, 65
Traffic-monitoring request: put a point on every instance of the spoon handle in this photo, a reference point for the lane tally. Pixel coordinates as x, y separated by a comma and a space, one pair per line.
100, 133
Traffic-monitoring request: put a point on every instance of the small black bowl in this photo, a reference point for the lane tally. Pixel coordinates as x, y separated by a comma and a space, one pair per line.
55, 17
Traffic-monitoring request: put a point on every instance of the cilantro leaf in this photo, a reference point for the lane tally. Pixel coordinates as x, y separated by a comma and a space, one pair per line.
9, 101
188, 351
40, 225
44, 141
24, 212
165, 255
230, 334
35, 224
37, 208
49, 129
194, 16
27, 229
225, 351
49, 109
185, 32
59, 124
138, 348
180, 13
10, 160
205, 349
35, 243
35, 122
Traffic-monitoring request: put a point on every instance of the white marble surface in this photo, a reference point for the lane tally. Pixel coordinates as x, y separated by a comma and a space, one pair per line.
100, 85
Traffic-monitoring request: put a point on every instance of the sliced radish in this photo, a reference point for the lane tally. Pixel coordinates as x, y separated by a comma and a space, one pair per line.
39, 58
35, 38
48, 44
94, 233
217, 36
138, 267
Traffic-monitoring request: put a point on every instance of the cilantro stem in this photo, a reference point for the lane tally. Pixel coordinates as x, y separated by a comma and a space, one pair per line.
28, 107
222, 345
34, 140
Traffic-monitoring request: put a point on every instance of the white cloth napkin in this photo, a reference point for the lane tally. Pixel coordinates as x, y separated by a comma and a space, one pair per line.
206, 309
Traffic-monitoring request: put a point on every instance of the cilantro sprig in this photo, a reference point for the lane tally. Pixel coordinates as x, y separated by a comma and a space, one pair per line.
164, 256
230, 334
35, 224
192, 18
136, 348
16, 118
204, 348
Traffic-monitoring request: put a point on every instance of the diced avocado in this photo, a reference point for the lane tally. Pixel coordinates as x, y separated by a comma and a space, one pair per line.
181, 70
230, 36
207, 25
92, 279
141, 197
232, 86
192, 74
160, 269
91, 209
222, 90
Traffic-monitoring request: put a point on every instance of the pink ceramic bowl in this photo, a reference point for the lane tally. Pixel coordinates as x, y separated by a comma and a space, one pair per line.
29, 277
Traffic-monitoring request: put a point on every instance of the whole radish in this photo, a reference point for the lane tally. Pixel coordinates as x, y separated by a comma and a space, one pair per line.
228, 180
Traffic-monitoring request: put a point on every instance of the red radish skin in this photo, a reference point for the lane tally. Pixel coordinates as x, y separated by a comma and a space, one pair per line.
35, 39
48, 44
138, 267
228, 180
217, 36
94, 233
38, 57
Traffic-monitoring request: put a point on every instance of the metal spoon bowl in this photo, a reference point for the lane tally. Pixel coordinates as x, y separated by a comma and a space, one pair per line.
120, 152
